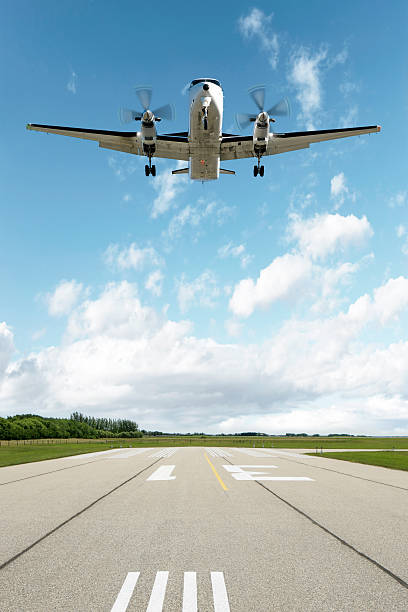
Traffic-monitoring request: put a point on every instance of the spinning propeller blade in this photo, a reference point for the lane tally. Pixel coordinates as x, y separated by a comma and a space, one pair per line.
145, 95
281, 109
165, 112
126, 115
257, 94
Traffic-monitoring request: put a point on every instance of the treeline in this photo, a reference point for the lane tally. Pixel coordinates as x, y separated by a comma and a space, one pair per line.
33, 426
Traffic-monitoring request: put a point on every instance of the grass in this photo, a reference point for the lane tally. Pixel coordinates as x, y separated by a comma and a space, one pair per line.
388, 459
24, 452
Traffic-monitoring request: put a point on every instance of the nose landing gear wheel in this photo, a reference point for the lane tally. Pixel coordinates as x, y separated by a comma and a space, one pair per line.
255, 170
205, 123
147, 170
261, 171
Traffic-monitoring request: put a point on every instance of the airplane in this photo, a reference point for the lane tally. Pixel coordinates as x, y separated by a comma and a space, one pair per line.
205, 145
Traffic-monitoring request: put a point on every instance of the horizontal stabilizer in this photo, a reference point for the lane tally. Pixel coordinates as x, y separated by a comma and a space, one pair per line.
180, 171
222, 171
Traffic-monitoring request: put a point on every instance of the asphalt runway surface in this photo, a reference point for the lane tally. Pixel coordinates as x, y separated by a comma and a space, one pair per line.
200, 530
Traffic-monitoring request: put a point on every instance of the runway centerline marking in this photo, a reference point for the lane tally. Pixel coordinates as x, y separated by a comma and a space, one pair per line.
238, 473
163, 473
126, 592
216, 473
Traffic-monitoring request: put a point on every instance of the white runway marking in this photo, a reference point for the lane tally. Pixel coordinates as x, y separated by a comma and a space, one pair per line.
163, 473
239, 474
252, 453
217, 452
164, 452
101, 454
190, 592
219, 592
157, 596
125, 593
272, 452
158, 592
130, 452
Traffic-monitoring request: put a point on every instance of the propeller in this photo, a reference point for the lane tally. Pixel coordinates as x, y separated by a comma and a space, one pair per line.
280, 109
127, 115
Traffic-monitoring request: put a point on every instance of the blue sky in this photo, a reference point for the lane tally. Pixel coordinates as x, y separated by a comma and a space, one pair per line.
275, 304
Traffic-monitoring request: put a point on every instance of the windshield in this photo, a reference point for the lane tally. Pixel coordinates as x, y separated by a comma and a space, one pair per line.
205, 81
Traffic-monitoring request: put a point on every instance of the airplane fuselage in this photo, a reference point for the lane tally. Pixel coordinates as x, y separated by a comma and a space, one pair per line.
205, 129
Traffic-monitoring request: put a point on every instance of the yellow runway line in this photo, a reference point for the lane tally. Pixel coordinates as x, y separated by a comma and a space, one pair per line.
216, 473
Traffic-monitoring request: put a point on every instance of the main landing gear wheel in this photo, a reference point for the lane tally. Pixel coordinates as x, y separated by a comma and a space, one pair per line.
147, 170
261, 171
255, 170
153, 170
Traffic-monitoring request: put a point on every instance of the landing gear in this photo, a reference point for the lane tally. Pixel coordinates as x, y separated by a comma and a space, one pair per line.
205, 122
149, 169
259, 169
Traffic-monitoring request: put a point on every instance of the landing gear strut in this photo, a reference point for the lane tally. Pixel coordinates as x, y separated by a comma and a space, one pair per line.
149, 169
259, 169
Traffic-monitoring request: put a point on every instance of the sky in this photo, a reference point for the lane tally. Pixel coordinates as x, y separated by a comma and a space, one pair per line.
275, 304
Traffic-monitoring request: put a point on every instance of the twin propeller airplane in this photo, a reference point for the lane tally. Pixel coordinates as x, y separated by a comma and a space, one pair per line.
205, 145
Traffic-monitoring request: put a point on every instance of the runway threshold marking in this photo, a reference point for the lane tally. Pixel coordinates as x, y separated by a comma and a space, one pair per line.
157, 596
190, 592
126, 592
216, 473
158, 592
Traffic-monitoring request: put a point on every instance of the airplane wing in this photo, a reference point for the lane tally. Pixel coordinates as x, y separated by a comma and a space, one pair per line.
168, 146
239, 147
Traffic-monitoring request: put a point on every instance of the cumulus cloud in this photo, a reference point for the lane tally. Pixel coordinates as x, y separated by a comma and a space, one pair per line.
229, 250
6, 346
305, 76
122, 358
257, 25
203, 291
167, 186
72, 83
279, 280
64, 297
131, 257
154, 282
324, 234
339, 190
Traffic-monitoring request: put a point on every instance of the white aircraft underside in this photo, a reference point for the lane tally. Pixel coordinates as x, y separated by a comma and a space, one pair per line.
204, 146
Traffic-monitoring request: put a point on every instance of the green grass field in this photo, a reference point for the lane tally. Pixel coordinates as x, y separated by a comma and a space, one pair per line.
23, 452
388, 459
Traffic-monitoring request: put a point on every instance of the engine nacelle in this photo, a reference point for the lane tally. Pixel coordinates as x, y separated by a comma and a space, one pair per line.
261, 133
148, 131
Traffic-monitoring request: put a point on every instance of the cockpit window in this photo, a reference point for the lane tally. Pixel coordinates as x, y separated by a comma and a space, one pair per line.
205, 81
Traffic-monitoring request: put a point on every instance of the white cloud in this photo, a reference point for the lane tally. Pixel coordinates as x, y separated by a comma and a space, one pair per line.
131, 257
127, 197
6, 346
193, 215
121, 358
305, 76
399, 199
72, 83
257, 25
339, 190
154, 282
279, 280
64, 297
123, 167
233, 327
39, 333
401, 231
168, 186
350, 117
324, 234
203, 290
229, 250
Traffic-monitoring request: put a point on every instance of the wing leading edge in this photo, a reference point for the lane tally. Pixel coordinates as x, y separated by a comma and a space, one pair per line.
170, 146
239, 147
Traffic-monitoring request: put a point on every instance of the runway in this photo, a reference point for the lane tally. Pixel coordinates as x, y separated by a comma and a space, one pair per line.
202, 529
